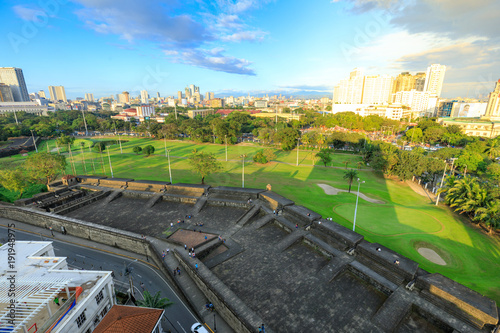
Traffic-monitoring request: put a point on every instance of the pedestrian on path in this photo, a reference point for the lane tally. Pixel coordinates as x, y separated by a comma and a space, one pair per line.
56, 300
185, 247
52, 232
196, 266
168, 251
178, 271
142, 286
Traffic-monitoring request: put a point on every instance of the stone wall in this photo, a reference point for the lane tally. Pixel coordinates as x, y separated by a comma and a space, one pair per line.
147, 185
274, 201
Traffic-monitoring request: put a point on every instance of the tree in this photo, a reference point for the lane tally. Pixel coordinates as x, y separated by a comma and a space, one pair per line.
148, 150
350, 175
204, 164
346, 163
288, 138
44, 167
100, 146
14, 180
155, 302
137, 150
264, 156
493, 148
324, 156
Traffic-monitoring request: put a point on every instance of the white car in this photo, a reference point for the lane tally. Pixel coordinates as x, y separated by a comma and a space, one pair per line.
198, 328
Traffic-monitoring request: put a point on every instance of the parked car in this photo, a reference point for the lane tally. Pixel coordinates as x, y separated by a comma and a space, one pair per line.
198, 328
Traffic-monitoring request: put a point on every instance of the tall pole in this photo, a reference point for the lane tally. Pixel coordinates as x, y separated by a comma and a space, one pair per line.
110, 166
225, 136
83, 159
440, 186
34, 142
102, 160
175, 107
165, 141
169, 169
298, 151
120, 141
15, 116
71, 159
93, 165
356, 209
243, 170
85, 123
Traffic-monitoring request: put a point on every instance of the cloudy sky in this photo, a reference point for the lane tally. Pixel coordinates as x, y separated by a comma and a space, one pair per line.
108, 46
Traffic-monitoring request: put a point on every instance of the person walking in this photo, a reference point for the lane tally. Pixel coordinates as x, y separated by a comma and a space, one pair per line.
56, 301
51, 231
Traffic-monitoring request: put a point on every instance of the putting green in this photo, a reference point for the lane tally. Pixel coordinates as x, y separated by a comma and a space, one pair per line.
380, 220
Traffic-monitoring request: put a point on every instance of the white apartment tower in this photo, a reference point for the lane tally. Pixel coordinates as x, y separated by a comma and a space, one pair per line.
14, 78
89, 97
434, 79
377, 89
144, 97
57, 93
350, 91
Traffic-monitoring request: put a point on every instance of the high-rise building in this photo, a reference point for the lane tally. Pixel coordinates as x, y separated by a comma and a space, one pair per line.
377, 89
212, 95
41, 93
207, 95
6, 93
403, 82
158, 95
434, 79
57, 93
14, 78
350, 91
422, 103
124, 97
188, 92
419, 81
493, 108
89, 97
144, 96
179, 95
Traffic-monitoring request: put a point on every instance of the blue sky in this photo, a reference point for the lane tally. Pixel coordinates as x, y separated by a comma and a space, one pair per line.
257, 46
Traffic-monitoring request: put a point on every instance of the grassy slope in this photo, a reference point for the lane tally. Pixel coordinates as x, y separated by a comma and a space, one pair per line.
406, 219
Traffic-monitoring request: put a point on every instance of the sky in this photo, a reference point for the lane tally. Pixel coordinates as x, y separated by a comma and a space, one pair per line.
105, 47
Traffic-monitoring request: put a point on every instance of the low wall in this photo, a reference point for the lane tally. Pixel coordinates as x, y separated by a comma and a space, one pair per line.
344, 237
229, 203
187, 189
114, 182
148, 186
235, 312
274, 201
235, 193
301, 215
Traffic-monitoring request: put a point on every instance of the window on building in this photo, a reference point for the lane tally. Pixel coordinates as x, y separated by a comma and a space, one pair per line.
81, 319
99, 297
96, 320
104, 311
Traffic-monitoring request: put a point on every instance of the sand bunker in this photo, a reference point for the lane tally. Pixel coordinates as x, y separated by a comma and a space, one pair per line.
330, 190
431, 255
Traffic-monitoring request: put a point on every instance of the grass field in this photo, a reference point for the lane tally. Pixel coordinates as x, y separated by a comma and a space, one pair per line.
405, 222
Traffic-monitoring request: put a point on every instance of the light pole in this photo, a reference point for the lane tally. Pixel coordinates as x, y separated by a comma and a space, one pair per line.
34, 140
442, 179
169, 170
298, 141
243, 170
110, 167
356, 209
225, 138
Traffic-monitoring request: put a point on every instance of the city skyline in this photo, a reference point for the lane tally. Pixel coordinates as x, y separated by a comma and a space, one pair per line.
244, 47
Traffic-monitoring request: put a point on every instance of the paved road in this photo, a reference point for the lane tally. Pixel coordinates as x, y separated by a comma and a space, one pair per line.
179, 317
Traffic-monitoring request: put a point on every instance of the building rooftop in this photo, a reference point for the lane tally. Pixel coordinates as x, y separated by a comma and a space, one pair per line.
39, 278
129, 319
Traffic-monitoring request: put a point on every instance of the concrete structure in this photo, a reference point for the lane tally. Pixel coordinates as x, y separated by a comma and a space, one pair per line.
394, 112
57, 93
216, 103
493, 108
89, 97
474, 127
420, 103
14, 78
41, 93
29, 107
377, 89
201, 112
179, 95
350, 91
6, 93
434, 79
124, 97
260, 104
144, 97
145, 111
84, 297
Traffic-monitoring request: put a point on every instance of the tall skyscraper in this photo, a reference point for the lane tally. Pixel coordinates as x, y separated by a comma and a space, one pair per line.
493, 108
5, 93
89, 97
14, 78
434, 79
41, 93
179, 95
419, 81
207, 95
350, 91
158, 95
403, 82
377, 89
188, 92
57, 93
144, 97
124, 97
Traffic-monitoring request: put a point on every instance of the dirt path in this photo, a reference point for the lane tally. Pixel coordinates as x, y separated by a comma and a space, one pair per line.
330, 190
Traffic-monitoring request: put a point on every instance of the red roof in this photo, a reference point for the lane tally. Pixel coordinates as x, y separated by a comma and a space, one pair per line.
129, 319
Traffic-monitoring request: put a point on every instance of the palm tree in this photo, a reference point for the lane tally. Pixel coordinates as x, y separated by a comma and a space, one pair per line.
345, 163
350, 175
493, 148
359, 164
489, 214
155, 302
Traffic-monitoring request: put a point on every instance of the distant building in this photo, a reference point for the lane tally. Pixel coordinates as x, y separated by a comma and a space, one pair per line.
145, 111
493, 108
201, 112
350, 91
6, 93
144, 97
131, 319
14, 78
217, 103
28, 107
89, 97
434, 79
444, 108
421, 103
377, 89
394, 112
468, 110
57, 93
124, 97
41, 93
474, 127
260, 104
83, 297
179, 95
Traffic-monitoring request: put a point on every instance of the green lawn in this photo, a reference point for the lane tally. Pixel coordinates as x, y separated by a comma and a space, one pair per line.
405, 222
